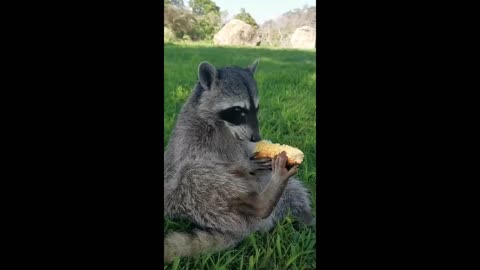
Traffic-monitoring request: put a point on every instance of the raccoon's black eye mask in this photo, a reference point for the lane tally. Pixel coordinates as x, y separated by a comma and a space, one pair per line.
234, 115
237, 115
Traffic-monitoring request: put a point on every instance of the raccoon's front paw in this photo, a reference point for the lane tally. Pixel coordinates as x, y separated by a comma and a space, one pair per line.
279, 169
260, 164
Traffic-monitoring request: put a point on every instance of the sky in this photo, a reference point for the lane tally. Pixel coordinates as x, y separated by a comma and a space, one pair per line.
262, 10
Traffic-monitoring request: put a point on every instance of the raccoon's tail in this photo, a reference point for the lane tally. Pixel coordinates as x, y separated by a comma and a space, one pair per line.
179, 244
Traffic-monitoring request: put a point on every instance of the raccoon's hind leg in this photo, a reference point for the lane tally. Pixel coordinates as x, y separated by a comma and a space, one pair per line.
203, 196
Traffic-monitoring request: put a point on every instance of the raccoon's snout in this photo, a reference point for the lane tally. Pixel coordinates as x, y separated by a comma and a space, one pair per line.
255, 138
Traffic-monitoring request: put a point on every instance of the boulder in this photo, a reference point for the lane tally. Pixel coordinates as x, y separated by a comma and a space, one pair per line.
303, 38
237, 32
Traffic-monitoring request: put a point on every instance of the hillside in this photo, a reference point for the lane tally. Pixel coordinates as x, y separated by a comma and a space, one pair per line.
277, 32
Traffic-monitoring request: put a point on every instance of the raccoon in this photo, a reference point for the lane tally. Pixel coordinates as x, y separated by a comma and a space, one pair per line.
211, 177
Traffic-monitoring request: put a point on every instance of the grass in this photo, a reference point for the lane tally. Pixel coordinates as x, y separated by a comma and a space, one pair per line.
286, 83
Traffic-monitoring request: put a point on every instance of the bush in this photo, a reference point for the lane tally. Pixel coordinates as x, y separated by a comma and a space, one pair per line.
246, 17
201, 24
168, 35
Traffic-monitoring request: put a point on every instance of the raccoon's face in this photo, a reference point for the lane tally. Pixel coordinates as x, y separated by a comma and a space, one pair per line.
232, 95
242, 122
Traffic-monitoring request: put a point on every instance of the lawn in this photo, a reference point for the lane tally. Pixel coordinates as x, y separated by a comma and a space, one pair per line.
286, 83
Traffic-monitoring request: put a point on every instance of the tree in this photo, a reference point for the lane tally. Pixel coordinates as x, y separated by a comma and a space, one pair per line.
208, 18
178, 20
178, 3
203, 7
200, 23
208, 25
246, 17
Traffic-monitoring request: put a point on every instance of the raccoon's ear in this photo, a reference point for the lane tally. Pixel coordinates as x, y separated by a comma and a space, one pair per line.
206, 74
253, 67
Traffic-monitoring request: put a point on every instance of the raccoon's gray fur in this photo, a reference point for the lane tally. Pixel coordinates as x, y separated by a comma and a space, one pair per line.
210, 178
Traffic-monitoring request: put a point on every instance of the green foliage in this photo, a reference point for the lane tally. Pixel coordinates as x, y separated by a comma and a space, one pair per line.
208, 25
200, 25
286, 83
246, 17
180, 21
168, 35
202, 7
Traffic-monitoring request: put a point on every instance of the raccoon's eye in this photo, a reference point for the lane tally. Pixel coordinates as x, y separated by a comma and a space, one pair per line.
234, 115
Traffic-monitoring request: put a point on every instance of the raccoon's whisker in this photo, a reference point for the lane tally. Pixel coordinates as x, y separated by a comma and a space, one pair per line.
244, 133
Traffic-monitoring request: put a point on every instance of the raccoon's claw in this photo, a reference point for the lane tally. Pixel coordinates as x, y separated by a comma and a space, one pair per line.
254, 155
261, 164
262, 160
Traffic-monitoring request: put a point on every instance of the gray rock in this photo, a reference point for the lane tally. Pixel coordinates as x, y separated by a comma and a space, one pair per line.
237, 32
303, 38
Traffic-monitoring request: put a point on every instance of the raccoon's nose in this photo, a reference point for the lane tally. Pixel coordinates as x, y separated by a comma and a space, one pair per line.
255, 138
